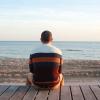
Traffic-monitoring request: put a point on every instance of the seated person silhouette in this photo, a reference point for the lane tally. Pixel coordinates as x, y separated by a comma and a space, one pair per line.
45, 64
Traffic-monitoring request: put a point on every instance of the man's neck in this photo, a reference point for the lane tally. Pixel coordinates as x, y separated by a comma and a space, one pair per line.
49, 43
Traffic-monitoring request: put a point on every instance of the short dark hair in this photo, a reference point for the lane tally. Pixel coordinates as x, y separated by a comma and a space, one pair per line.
46, 36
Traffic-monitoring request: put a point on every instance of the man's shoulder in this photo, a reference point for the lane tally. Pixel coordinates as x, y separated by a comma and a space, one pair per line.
56, 50
36, 50
46, 49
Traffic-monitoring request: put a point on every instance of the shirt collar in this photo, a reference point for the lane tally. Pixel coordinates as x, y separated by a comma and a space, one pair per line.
47, 44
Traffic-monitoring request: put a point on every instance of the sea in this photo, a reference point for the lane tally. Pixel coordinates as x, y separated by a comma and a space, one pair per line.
70, 49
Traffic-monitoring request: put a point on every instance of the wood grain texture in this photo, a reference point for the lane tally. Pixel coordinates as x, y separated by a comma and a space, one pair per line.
3, 88
76, 93
42, 95
31, 94
20, 93
8, 93
85, 92
54, 94
96, 91
88, 94
66, 93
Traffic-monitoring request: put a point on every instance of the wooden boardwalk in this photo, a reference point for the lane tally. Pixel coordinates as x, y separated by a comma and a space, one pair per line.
84, 92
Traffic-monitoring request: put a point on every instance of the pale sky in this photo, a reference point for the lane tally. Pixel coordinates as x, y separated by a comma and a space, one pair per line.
68, 20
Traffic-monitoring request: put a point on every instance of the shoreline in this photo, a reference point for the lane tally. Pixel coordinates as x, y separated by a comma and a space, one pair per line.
14, 70
65, 59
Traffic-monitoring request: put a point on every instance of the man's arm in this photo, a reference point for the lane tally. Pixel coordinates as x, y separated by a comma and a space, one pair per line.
61, 63
30, 64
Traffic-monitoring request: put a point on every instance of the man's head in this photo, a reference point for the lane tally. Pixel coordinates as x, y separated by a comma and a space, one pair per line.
46, 37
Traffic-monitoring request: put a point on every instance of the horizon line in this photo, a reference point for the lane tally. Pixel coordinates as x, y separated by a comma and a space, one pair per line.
40, 41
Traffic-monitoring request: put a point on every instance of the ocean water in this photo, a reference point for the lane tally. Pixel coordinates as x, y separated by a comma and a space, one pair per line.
71, 50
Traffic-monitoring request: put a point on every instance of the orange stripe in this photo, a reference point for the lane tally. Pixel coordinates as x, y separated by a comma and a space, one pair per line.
46, 59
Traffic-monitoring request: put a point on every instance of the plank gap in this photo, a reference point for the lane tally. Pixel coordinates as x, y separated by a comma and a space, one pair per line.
48, 94
88, 95
19, 94
54, 94
76, 93
65, 93
93, 92
14, 93
8, 93
71, 92
60, 92
36, 94
82, 92
99, 86
30, 95
5, 90
25, 93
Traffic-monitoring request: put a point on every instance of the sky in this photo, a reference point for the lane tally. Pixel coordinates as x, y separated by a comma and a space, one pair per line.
68, 20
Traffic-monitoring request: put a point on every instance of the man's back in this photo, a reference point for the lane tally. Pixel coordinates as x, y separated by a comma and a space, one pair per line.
45, 64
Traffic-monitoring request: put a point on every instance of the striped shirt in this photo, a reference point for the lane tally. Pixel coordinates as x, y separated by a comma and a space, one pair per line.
45, 64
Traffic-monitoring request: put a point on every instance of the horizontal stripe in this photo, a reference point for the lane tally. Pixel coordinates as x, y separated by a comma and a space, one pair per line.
44, 65
31, 61
46, 59
35, 55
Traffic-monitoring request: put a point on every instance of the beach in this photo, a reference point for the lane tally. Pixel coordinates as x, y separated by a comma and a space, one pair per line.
14, 71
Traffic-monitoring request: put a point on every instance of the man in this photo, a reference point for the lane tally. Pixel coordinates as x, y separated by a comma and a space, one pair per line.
45, 64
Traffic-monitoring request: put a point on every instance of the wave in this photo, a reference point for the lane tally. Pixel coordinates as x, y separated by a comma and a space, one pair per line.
73, 50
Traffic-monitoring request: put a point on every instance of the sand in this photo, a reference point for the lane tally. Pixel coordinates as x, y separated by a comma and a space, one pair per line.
14, 71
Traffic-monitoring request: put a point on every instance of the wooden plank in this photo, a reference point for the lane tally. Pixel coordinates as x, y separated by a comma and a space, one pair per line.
19, 94
66, 93
42, 95
3, 88
8, 93
88, 95
96, 91
31, 94
54, 94
76, 93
